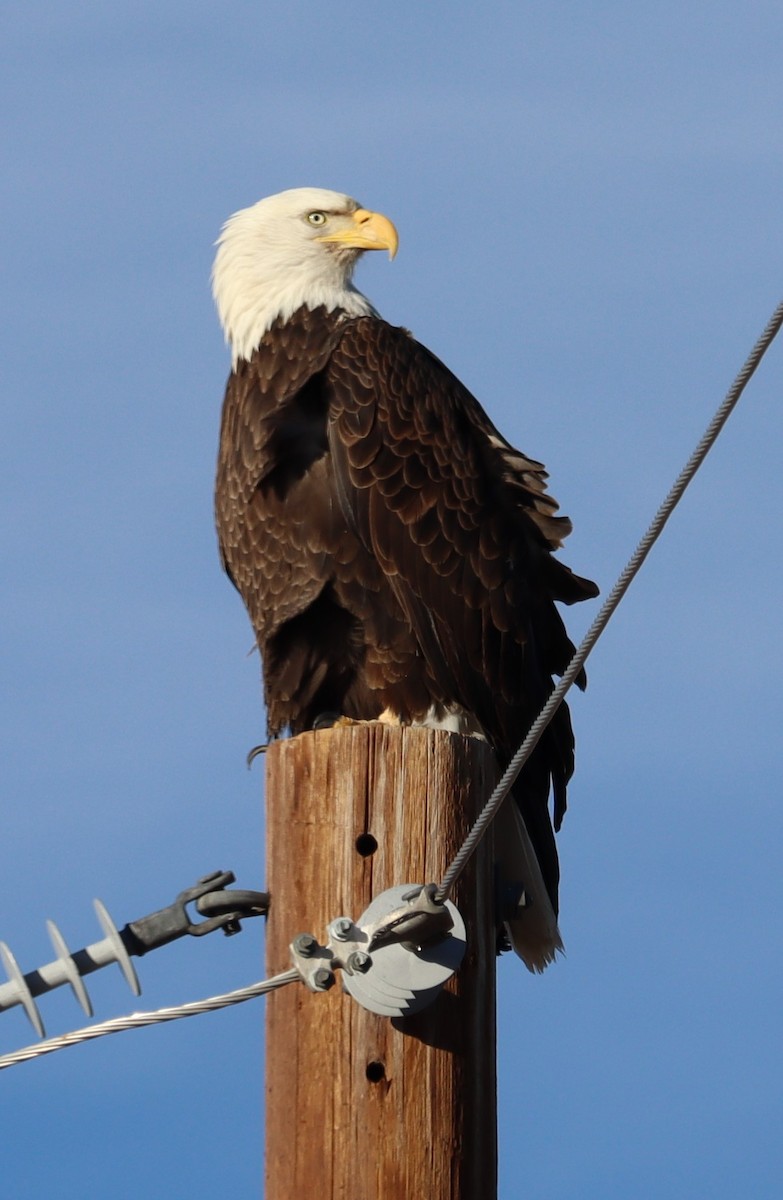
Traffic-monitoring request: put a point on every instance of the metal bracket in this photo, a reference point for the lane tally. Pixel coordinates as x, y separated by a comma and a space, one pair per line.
419, 920
222, 908
314, 962
395, 959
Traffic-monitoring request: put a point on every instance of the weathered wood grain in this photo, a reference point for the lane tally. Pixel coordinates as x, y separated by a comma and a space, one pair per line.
357, 1106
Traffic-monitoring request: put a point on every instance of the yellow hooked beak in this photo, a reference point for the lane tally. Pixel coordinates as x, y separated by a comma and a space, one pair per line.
366, 231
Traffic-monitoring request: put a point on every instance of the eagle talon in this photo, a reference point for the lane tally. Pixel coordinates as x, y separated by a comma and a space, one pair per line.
255, 753
328, 720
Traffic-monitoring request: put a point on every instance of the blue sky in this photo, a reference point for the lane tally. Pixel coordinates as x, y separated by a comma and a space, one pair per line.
588, 200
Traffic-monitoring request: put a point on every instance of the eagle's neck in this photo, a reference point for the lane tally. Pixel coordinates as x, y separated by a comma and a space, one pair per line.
251, 298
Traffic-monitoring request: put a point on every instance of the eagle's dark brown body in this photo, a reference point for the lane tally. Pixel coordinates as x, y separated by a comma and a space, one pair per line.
393, 551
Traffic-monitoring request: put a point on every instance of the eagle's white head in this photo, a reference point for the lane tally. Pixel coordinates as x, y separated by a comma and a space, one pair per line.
293, 249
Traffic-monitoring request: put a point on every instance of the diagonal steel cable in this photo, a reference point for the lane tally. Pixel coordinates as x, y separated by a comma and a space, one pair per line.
501, 791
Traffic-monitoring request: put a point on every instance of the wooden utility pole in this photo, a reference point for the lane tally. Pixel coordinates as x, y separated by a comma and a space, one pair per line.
359, 1106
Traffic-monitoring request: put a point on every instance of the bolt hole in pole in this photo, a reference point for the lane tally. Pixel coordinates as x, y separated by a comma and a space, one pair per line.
366, 845
375, 1072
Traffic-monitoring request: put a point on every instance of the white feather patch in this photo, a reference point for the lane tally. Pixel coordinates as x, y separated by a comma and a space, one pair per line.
269, 263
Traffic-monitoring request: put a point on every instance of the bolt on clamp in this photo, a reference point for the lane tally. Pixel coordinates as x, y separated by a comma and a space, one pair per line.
395, 959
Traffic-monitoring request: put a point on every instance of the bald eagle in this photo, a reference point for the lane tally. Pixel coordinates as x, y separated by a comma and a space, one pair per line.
393, 550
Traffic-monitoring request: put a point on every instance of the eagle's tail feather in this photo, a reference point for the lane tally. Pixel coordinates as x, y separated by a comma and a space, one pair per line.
532, 925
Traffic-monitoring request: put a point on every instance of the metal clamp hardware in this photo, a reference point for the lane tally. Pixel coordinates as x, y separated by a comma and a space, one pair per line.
395, 959
222, 908
419, 920
314, 962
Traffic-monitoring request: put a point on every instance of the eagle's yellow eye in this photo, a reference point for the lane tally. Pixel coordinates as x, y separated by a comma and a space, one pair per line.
317, 218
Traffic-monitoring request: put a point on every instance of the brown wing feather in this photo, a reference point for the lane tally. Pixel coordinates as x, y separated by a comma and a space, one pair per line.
463, 530
274, 559
330, 634
392, 549
279, 530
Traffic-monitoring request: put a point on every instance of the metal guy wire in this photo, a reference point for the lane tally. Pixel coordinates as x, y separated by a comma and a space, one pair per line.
516, 764
136, 1020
